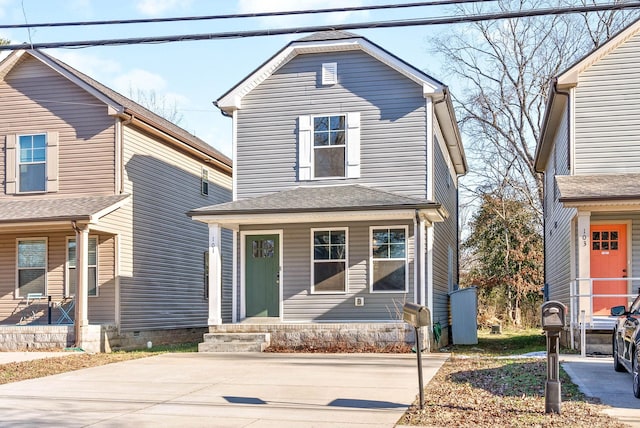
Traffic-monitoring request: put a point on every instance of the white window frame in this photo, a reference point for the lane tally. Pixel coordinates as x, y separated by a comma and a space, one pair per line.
345, 260
204, 182
405, 259
345, 146
67, 291
17, 294
306, 148
19, 163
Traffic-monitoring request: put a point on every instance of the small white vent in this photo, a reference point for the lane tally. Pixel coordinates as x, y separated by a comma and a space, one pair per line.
329, 73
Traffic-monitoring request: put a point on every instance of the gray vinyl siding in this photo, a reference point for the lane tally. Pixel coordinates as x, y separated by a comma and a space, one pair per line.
161, 248
35, 99
392, 124
445, 237
557, 220
301, 305
607, 136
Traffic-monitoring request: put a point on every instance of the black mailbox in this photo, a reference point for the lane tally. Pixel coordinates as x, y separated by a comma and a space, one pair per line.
416, 315
553, 313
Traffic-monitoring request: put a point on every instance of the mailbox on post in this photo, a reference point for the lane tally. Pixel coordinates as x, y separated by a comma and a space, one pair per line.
418, 316
553, 322
553, 316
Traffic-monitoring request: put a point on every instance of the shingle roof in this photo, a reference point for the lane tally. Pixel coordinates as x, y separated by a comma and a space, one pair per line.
598, 187
316, 198
56, 209
143, 112
328, 35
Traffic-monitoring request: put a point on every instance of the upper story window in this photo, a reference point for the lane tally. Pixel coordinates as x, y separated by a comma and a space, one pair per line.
204, 182
329, 146
32, 161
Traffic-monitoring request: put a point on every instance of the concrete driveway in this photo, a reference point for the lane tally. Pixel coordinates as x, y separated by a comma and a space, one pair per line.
596, 378
223, 390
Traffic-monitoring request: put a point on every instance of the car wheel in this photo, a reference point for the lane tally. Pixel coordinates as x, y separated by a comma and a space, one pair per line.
635, 364
616, 361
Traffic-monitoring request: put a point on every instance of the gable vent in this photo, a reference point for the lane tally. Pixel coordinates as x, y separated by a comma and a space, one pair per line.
329, 73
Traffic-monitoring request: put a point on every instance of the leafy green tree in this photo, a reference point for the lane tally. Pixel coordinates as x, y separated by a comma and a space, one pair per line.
507, 260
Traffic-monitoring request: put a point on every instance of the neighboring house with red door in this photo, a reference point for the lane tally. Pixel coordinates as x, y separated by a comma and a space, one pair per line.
589, 153
346, 165
92, 213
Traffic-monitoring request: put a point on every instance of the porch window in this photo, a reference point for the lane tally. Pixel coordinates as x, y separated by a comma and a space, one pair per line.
389, 271
32, 266
329, 268
92, 261
32, 160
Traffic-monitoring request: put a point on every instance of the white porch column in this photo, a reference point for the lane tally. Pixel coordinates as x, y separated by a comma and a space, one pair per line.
82, 275
215, 275
428, 240
583, 270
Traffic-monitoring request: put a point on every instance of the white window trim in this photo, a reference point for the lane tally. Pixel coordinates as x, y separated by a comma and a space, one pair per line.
306, 149
406, 259
18, 163
66, 265
46, 264
346, 260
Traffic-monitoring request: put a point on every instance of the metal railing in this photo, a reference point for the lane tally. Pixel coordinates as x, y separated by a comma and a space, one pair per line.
581, 305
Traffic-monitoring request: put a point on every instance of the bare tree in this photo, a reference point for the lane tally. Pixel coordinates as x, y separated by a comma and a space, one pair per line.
149, 99
504, 68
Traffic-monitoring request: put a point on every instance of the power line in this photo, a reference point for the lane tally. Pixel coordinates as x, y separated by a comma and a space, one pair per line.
313, 29
244, 15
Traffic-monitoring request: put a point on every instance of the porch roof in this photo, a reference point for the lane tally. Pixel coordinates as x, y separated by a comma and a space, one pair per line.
315, 199
605, 187
85, 208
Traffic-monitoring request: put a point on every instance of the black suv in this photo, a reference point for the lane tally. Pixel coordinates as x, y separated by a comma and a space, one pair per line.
626, 342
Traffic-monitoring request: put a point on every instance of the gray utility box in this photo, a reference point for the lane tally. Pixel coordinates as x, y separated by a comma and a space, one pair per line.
464, 316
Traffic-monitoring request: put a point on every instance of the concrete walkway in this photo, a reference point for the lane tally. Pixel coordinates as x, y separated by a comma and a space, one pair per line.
596, 378
224, 390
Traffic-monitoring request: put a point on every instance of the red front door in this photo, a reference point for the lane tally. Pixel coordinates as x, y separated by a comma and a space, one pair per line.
608, 260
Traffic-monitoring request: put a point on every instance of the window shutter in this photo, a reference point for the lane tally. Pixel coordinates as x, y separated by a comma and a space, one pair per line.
304, 147
10, 164
353, 145
329, 73
52, 161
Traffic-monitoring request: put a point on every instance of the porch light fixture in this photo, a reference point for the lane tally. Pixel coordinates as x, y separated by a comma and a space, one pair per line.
584, 237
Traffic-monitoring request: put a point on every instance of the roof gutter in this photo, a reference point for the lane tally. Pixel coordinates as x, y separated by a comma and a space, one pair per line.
162, 133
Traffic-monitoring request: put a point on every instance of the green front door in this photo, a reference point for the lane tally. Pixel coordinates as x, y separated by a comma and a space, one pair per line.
262, 282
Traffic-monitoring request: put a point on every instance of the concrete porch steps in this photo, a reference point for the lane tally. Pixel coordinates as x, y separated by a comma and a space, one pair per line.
235, 342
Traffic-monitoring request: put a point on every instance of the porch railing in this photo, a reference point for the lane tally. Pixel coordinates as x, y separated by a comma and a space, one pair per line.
581, 313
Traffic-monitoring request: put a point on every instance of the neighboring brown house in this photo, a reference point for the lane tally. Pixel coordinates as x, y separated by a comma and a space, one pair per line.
92, 209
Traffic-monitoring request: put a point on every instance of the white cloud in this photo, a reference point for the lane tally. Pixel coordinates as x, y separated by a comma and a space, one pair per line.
138, 79
4, 4
256, 6
159, 7
98, 68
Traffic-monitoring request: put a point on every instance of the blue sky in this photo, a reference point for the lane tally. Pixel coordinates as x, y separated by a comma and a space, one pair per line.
194, 74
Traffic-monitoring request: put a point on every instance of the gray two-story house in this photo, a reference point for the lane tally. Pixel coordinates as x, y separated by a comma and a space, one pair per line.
346, 162
590, 156
92, 224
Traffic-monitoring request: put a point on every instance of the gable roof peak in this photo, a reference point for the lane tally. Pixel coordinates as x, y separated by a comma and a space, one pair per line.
328, 35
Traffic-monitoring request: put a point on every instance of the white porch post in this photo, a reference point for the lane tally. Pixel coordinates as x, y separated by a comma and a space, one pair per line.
82, 275
583, 239
215, 275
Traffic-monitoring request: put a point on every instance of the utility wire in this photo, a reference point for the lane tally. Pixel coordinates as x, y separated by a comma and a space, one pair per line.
312, 29
244, 15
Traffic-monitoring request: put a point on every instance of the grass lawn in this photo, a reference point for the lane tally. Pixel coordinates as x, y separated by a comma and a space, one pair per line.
486, 385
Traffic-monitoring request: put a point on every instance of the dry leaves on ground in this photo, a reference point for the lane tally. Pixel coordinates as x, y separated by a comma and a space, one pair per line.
489, 392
